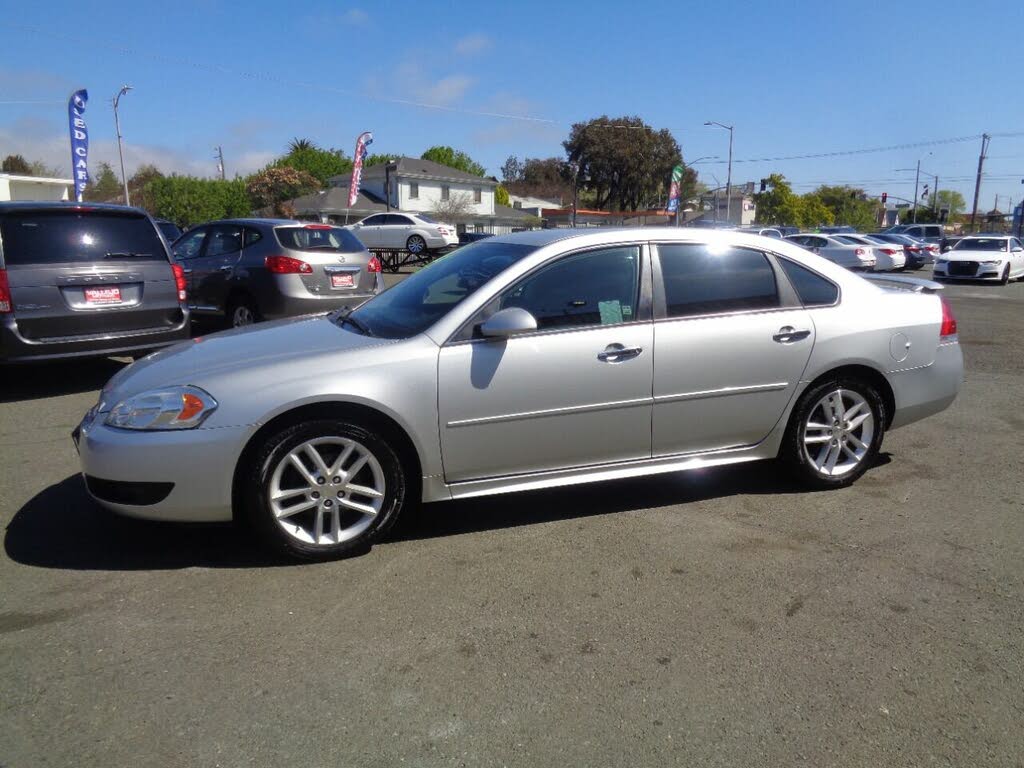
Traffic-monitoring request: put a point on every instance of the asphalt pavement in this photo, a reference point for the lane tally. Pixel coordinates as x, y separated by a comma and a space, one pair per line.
716, 618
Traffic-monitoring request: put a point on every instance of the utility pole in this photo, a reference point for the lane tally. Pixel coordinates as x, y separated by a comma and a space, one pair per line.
220, 161
120, 151
985, 139
935, 198
728, 178
917, 178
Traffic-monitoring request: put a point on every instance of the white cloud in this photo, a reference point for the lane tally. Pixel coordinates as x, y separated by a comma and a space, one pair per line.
447, 90
470, 45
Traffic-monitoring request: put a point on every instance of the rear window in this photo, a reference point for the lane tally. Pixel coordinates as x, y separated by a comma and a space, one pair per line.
55, 237
813, 289
318, 239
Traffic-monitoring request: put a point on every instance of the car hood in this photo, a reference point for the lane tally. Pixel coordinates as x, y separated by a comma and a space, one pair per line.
274, 345
975, 255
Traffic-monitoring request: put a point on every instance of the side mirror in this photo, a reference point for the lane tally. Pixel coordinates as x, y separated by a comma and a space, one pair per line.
508, 322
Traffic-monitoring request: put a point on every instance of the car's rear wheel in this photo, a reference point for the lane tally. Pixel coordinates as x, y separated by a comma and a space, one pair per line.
242, 311
416, 244
835, 432
324, 489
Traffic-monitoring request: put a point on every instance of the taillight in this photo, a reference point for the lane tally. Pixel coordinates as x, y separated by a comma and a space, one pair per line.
286, 265
373, 265
318, 226
889, 251
179, 281
948, 328
6, 307
861, 252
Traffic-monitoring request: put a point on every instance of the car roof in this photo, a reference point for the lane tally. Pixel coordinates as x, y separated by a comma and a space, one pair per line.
66, 205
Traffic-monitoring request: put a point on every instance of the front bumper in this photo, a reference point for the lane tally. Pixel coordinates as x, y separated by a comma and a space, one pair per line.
981, 272
15, 348
197, 464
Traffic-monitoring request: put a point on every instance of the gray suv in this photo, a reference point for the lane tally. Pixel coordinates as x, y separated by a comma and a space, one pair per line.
85, 280
245, 270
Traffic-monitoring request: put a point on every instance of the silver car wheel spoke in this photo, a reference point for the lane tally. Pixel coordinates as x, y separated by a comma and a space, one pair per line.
317, 500
838, 432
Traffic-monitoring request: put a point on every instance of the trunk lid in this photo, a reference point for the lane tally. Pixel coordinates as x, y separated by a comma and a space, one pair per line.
337, 258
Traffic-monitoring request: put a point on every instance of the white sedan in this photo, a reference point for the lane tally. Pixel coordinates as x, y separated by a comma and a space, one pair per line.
860, 258
889, 257
413, 232
997, 257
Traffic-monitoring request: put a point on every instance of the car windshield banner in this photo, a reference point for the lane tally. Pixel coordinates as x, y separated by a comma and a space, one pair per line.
673, 190
79, 141
365, 139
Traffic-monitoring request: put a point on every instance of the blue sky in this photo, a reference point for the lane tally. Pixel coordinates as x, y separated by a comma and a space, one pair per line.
793, 78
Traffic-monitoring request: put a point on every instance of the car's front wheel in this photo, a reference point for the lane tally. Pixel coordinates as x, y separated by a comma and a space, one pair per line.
1005, 277
324, 489
835, 432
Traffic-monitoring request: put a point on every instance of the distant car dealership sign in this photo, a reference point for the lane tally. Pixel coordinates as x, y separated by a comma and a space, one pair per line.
673, 190
365, 140
79, 141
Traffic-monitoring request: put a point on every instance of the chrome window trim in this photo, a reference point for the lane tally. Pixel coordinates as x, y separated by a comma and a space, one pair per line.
839, 288
644, 296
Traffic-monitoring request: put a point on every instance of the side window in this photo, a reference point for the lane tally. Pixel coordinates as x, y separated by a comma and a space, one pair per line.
446, 192
224, 240
477, 194
1016, 244
373, 221
813, 289
700, 280
399, 221
414, 190
593, 288
252, 236
189, 246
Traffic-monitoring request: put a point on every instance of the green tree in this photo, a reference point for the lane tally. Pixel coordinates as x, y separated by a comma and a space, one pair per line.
512, 170
104, 185
812, 213
39, 168
778, 204
187, 200
321, 164
849, 205
950, 198
381, 159
501, 195
274, 188
623, 161
453, 158
138, 185
16, 164
547, 177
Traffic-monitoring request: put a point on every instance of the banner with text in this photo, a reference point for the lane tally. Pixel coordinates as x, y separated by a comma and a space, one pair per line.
673, 190
365, 140
79, 141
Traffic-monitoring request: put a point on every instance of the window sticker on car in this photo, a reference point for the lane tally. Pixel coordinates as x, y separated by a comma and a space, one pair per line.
611, 311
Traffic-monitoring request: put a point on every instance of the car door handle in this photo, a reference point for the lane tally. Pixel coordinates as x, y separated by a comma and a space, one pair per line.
788, 334
616, 353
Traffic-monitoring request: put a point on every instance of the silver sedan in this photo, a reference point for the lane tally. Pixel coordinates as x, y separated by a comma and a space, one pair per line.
526, 361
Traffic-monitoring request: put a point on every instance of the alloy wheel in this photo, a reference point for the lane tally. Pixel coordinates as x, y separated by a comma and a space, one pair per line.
326, 490
242, 315
838, 432
416, 244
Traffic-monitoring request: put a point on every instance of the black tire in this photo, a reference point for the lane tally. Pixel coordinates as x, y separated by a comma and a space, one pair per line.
793, 451
1005, 278
242, 307
258, 475
416, 245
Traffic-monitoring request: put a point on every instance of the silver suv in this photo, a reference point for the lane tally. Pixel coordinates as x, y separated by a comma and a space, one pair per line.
85, 280
246, 270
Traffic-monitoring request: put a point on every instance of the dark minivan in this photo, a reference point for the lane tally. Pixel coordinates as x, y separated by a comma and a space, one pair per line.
85, 280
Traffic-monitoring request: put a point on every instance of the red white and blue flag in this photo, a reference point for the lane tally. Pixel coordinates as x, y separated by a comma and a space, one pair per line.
365, 140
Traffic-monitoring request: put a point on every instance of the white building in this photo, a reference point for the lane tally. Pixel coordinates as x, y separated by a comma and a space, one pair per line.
534, 206
17, 187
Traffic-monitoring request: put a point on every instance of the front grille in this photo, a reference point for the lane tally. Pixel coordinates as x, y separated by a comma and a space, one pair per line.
962, 268
124, 492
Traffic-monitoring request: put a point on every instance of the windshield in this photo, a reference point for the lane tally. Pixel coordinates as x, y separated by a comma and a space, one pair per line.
421, 300
318, 238
980, 244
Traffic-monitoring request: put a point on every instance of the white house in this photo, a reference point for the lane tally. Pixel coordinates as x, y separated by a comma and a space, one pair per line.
419, 185
17, 187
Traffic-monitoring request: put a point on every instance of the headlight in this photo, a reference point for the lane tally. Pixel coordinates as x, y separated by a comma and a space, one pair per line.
181, 407
995, 263
940, 262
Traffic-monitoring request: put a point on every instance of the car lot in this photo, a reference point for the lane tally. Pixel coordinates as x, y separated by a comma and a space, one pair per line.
717, 618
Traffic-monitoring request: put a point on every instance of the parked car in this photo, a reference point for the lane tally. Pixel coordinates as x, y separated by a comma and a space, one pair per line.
996, 257
413, 232
169, 229
85, 280
763, 231
930, 233
242, 271
918, 252
842, 229
854, 257
472, 237
889, 257
525, 361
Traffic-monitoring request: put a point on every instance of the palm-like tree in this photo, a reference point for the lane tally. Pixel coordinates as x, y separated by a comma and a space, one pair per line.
298, 145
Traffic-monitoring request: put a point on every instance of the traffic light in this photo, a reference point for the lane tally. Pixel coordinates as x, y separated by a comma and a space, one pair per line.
885, 196
943, 215
925, 193
764, 185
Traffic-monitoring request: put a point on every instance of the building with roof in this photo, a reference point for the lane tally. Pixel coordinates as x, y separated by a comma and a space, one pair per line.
414, 186
14, 186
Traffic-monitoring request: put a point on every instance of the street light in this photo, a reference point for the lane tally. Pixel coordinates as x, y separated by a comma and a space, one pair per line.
728, 178
917, 179
679, 211
120, 151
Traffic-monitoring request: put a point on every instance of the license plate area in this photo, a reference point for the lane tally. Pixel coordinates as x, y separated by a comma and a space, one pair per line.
343, 280
102, 295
